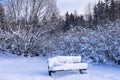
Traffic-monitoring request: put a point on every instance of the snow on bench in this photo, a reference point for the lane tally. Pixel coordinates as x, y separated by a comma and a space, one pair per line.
61, 63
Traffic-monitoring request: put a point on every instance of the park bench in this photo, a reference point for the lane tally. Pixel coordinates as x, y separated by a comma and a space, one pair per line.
62, 63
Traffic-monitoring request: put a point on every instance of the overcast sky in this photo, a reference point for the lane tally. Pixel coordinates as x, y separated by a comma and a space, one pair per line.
71, 5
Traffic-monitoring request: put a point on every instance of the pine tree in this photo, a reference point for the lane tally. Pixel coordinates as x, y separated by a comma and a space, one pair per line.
54, 18
67, 22
2, 17
67, 19
117, 9
112, 11
107, 10
54, 21
90, 20
81, 20
72, 20
95, 15
99, 13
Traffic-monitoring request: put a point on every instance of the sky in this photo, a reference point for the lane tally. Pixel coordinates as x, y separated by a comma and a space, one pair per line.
71, 5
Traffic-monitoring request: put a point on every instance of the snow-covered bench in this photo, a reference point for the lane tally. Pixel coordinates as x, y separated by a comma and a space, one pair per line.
61, 63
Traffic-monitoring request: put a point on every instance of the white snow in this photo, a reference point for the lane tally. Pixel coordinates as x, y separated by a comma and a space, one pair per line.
19, 68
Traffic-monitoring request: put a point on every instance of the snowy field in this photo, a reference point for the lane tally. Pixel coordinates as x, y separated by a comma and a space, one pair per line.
19, 68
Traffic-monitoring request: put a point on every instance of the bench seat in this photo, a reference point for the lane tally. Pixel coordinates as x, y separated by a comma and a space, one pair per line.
69, 66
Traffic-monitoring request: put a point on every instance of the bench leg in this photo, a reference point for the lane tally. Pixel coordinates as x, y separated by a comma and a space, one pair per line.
80, 71
50, 73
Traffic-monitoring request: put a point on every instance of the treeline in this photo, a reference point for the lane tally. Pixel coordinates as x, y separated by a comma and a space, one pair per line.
103, 12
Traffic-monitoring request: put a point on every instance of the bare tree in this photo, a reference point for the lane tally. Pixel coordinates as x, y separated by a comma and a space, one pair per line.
25, 34
29, 9
52, 8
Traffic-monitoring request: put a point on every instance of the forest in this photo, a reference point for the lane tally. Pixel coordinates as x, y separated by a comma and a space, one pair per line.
36, 28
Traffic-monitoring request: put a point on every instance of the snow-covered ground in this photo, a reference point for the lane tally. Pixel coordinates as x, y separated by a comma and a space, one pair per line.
20, 68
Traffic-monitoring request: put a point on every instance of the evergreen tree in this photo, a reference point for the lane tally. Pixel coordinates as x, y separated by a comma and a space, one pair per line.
90, 20
54, 21
67, 22
107, 10
82, 21
116, 8
72, 20
101, 12
2, 17
54, 18
95, 15
67, 19
112, 11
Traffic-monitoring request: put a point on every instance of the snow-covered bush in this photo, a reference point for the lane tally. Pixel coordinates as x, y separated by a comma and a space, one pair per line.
101, 45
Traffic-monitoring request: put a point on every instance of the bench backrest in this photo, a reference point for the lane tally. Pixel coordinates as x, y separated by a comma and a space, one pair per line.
55, 61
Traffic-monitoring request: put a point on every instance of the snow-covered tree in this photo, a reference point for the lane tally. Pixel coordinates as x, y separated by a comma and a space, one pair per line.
25, 34
2, 17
